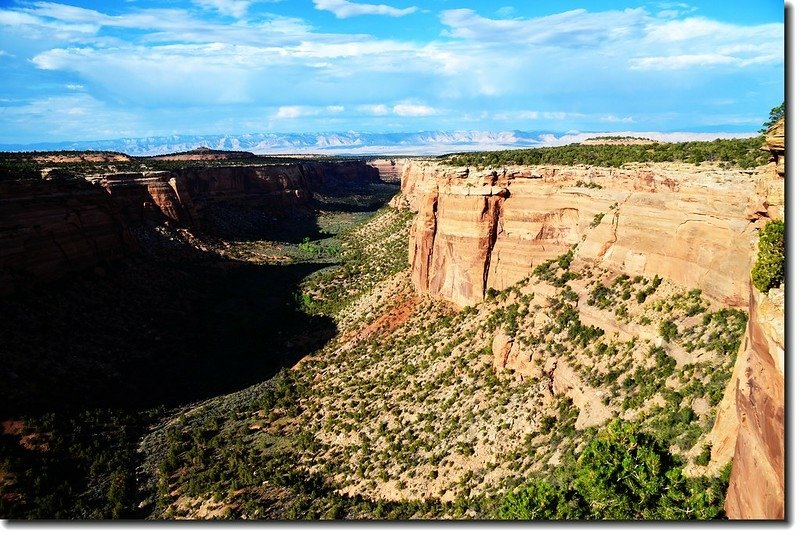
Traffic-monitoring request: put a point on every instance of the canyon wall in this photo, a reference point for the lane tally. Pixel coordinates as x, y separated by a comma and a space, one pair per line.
183, 196
488, 229
52, 227
750, 426
390, 169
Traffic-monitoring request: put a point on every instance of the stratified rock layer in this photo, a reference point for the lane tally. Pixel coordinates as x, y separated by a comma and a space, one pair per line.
489, 229
51, 228
750, 426
695, 225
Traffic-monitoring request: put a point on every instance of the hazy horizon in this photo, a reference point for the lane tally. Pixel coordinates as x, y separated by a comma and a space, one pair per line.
424, 143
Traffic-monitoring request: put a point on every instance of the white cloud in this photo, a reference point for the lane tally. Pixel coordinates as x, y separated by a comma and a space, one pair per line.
72, 117
344, 9
674, 9
413, 110
505, 11
681, 61
532, 115
181, 58
576, 28
611, 118
373, 109
233, 8
293, 112
75, 87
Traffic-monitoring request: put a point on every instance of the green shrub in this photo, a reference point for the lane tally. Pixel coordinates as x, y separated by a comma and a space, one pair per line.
668, 330
621, 474
768, 270
704, 457
538, 500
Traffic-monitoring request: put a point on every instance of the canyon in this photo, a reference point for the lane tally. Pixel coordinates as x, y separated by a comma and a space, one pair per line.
321, 354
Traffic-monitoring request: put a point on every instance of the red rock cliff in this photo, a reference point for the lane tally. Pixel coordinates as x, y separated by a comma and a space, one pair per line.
697, 226
750, 424
51, 228
181, 197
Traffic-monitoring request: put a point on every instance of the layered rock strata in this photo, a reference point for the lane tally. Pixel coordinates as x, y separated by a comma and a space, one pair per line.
182, 197
488, 229
695, 225
51, 228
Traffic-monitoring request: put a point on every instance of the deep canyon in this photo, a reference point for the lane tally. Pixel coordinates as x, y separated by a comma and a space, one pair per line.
318, 353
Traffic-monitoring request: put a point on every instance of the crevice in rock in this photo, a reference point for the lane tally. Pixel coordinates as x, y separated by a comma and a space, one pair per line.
429, 259
493, 205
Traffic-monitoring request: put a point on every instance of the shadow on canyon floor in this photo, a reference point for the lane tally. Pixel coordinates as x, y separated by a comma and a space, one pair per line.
172, 325
236, 221
149, 332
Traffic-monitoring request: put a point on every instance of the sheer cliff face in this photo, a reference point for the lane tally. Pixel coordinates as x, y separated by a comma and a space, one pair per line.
697, 226
182, 197
750, 424
49, 228
479, 230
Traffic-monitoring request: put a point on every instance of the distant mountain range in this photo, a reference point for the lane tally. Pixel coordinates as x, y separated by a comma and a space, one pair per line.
350, 143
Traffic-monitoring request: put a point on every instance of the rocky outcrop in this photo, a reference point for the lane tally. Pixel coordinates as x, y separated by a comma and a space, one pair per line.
488, 229
157, 197
775, 144
390, 169
770, 185
51, 228
453, 239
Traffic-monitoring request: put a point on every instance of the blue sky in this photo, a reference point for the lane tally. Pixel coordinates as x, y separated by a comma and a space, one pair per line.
85, 70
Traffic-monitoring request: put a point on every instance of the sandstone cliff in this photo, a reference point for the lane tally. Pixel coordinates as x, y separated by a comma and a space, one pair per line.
51, 228
182, 197
488, 229
750, 425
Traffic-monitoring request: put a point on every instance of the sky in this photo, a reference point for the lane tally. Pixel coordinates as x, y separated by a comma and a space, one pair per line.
89, 70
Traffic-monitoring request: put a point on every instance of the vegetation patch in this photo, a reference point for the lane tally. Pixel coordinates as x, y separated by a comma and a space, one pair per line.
769, 267
743, 153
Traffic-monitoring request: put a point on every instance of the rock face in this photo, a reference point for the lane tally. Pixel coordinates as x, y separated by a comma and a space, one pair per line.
756, 395
390, 169
49, 228
478, 230
770, 186
750, 423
